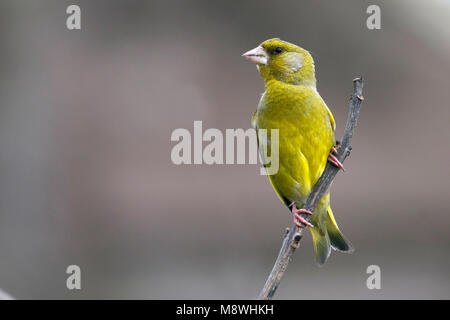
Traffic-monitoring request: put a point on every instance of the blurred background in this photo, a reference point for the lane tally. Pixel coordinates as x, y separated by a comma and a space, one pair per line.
86, 176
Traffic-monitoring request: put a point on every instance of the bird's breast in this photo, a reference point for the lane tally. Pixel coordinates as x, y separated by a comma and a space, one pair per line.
305, 138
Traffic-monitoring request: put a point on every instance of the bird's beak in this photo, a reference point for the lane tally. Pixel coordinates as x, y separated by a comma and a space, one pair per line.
257, 55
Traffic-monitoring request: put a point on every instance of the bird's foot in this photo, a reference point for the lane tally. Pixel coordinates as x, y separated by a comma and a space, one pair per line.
298, 219
334, 160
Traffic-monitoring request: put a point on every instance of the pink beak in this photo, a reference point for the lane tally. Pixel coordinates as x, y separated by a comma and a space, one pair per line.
257, 55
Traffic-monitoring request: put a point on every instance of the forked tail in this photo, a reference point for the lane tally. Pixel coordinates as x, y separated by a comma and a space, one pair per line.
330, 237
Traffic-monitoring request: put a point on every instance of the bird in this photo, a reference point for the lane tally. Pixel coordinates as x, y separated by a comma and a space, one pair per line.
306, 141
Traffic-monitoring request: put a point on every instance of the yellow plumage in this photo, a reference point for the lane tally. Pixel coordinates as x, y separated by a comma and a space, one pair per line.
306, 126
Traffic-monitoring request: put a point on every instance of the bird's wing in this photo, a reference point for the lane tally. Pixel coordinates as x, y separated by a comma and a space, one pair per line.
333, 123
254, 119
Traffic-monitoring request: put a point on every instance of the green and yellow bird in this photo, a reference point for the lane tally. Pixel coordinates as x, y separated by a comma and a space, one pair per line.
306, 127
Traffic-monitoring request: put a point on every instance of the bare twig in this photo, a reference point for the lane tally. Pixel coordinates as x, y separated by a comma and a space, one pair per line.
292, 239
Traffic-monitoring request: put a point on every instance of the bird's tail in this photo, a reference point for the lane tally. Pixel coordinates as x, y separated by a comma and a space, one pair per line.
330, 237
321, 243
338, 241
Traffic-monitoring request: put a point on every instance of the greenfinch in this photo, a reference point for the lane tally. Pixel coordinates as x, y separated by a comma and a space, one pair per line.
306, 140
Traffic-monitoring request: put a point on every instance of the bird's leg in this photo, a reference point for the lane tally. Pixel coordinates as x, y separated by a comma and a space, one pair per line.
334, 160
298, 219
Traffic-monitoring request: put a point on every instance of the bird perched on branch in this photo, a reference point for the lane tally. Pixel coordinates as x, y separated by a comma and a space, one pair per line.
306, 127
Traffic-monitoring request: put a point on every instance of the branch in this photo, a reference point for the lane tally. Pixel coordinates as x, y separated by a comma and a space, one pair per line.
294, 234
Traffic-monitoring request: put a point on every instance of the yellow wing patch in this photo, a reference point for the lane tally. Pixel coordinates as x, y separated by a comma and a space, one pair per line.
254, 119
333, 123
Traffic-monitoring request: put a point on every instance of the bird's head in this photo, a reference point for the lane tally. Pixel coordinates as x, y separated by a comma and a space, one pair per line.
283, 61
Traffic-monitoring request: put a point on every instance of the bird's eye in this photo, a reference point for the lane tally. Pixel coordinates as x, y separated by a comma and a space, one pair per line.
278, 50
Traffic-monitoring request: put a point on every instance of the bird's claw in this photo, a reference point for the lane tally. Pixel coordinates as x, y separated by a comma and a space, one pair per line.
334, 160
299, 221
334, 151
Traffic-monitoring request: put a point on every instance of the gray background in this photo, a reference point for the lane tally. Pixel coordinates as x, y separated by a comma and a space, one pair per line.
85, 170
